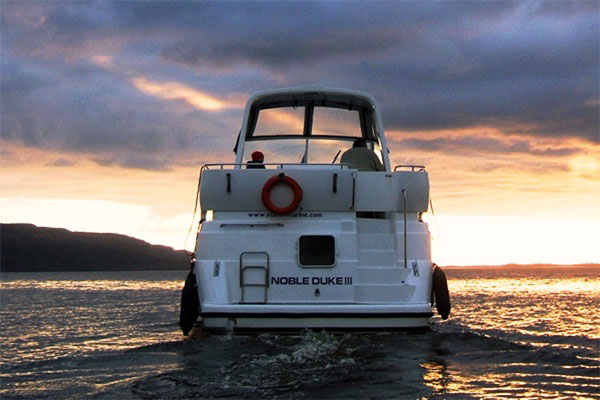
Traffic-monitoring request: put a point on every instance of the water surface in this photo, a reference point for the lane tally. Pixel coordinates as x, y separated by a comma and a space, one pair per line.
513, 333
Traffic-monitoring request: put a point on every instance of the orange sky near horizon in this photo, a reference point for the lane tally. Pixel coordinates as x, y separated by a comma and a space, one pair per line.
523, 210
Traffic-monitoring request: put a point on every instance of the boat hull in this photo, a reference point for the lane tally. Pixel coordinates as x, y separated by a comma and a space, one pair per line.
292, 318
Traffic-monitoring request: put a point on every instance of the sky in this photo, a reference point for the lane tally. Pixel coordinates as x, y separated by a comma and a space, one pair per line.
108, 110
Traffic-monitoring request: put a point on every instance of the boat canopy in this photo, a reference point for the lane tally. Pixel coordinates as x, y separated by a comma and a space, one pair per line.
312, 113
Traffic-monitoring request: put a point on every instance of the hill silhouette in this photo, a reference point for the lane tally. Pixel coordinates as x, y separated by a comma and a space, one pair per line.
26, 247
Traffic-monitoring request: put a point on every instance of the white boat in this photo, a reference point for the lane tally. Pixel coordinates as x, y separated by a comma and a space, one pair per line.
304, 241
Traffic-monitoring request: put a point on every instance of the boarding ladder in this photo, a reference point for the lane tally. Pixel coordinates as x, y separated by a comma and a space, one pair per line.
254, 277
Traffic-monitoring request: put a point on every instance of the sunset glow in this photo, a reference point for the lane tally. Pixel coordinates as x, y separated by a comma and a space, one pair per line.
105, 126
175, 90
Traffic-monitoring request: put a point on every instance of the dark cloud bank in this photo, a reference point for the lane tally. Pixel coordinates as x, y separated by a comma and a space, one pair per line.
432, 65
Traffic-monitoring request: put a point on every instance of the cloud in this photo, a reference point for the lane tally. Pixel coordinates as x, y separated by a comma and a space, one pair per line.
283, 35
431, 65
88, 109
486, 145
135, 162
147, 78
61, 162
6, 155
65, 31
175, 90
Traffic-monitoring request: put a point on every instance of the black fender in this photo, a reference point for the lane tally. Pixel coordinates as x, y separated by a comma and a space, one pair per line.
190, 304
439, 289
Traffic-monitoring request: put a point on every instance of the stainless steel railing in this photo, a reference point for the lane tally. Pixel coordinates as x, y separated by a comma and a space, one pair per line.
405, 217
279, 165
419, 168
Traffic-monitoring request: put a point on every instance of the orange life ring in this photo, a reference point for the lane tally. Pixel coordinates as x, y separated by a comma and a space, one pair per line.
266, 194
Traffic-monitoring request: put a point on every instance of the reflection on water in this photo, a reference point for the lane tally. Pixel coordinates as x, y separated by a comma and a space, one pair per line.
94, 280
527, 333
548, 304
51, 315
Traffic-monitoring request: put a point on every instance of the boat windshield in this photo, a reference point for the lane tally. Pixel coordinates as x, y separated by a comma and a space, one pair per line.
308, 134
326, 121
296, 151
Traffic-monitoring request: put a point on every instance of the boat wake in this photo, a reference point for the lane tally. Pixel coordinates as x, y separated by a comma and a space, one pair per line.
325, 365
